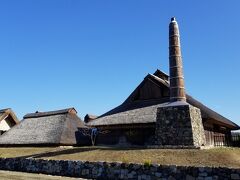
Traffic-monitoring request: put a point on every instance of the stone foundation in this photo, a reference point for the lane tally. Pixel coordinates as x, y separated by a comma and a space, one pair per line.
179, 126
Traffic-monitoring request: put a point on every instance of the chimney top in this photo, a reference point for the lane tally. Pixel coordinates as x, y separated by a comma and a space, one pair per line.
173, 19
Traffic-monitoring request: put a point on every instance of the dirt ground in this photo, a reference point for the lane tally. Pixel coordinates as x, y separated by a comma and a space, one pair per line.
10, 175
224, 157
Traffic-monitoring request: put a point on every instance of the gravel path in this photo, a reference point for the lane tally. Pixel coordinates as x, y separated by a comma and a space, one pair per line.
10, 175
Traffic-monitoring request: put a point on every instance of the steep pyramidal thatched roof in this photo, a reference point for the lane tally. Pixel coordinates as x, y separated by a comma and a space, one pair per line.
4, 113
46, 128
141, 106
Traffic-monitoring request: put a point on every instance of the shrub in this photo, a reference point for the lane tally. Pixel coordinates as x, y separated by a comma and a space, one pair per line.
147, 163
125, 160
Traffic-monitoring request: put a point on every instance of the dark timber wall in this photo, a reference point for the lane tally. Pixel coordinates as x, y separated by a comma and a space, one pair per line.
144, 135
132, 136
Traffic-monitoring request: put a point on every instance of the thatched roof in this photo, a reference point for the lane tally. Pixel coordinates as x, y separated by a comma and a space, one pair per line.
46, 128
135, 110
135, 113
4, 113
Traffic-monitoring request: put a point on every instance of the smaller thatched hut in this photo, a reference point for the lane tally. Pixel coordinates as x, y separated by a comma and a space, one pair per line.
62, 127
89, 117
8, 119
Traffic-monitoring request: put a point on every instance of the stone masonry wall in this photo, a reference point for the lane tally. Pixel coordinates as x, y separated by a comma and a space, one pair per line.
179, 126
199, 138
106, 170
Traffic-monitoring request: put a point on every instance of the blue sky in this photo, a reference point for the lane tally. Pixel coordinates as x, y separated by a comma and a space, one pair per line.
91, 54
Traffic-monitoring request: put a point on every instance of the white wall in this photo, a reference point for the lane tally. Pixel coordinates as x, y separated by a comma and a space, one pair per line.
4, 126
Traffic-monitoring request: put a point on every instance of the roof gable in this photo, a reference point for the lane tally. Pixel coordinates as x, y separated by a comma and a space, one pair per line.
152, 87
4, 113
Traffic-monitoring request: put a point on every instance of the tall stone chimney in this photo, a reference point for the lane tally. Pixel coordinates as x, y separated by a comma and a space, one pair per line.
178, 125
177, 90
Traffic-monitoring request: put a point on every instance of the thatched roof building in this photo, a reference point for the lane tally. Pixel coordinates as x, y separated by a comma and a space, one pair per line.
8, 119
139, 110
141, 106
60, 127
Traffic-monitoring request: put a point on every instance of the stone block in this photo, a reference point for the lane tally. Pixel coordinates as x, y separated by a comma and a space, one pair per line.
157, 174
203, 174
208, 178
188, 177
235, 176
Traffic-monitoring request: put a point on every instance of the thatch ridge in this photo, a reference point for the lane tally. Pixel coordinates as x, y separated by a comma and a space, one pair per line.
50, 113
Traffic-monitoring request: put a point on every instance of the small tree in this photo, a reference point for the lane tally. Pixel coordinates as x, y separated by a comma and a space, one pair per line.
92, 133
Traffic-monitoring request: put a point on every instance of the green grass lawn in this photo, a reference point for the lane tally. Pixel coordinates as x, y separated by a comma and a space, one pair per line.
225, 157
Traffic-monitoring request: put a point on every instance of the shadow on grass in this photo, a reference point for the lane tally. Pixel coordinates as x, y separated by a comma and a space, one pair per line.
79, 150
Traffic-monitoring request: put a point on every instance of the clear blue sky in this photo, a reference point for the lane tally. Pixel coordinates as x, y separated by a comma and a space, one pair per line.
91, 54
